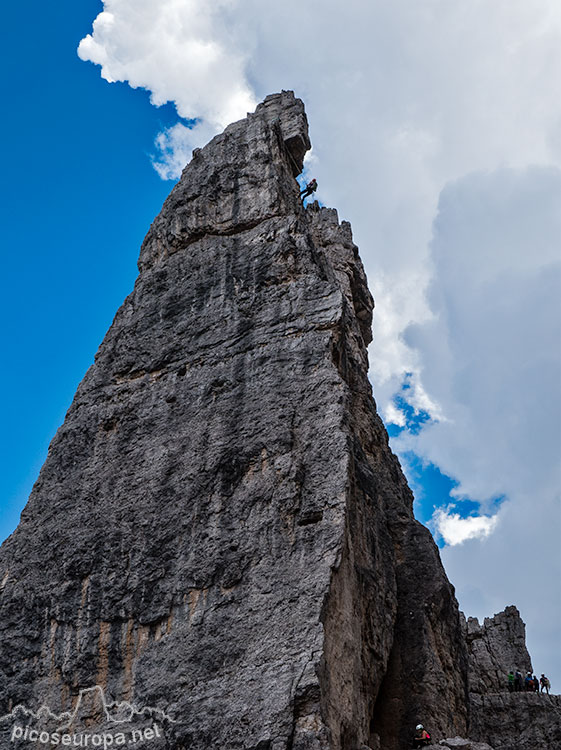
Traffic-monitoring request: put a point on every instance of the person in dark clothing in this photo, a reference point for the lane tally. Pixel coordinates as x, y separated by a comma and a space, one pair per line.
544, 682
536, 684
422, 737
310, 188
529, 682
517, 681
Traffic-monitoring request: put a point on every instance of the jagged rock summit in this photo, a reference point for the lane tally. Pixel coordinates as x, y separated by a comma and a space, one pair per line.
523, 721
220, 530
495, 648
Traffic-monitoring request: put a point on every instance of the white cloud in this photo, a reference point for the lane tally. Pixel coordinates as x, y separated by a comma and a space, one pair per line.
174, 147
180, 50
395, 415
455, 530
414, 108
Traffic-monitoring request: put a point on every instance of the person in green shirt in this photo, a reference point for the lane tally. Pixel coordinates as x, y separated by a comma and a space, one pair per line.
511, 681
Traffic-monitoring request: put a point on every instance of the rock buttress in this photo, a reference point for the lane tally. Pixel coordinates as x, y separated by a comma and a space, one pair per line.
220, 528
521, 720
495, 648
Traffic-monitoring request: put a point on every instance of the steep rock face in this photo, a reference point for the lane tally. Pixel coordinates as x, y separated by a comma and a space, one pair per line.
495, 648
220, 528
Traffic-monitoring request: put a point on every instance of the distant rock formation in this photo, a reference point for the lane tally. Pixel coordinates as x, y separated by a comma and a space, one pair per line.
220, 530
521, 721
495, 648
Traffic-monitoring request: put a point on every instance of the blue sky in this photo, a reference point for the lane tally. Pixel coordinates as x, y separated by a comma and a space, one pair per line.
435, 134
78, 196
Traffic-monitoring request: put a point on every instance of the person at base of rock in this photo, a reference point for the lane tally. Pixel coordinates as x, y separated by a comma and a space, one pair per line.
545, 684
422, 737
517, 681
511, 681
310, 188
529, 682
536, 683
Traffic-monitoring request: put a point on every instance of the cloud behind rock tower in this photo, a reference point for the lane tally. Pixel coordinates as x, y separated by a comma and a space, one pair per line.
179, 50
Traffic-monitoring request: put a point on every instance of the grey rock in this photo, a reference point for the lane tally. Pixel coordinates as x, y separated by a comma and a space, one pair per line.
220, 530
459, 743
495, 648
521, 721
516, 721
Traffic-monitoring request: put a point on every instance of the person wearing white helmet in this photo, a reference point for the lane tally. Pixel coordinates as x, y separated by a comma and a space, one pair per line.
422, 737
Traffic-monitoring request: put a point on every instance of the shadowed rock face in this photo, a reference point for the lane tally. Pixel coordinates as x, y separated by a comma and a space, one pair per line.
220, 529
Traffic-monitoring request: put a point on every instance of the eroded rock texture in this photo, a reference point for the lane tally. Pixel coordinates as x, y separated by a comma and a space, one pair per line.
220, 529
508, 721
495, 648
517, 721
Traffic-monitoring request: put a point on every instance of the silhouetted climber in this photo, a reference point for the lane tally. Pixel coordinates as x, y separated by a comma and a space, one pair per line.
545, 684
517, 681
422, 737
511, 681
310, 188
536, 684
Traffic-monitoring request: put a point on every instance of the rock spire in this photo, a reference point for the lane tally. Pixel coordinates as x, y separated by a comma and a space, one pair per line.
220, 532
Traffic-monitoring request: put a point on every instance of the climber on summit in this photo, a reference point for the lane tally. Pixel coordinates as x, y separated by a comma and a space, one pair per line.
545, 684
422, 737
310, 188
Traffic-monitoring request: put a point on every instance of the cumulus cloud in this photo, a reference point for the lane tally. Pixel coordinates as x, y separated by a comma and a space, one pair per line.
180, 50
175, 145
455, 530
437, 134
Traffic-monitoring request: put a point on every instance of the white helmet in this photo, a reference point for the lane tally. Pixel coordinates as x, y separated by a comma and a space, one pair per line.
419, 726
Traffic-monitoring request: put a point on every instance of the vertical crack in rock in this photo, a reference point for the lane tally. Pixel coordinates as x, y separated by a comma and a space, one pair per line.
220, 528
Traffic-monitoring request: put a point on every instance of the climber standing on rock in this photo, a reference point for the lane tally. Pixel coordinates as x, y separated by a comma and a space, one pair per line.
517, 681
511, 682
422, 737
310, 188
545, 684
